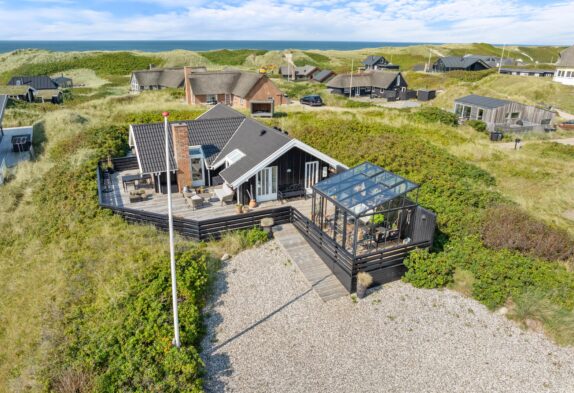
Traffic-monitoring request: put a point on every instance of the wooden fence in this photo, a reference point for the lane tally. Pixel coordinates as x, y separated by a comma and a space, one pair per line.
384, 265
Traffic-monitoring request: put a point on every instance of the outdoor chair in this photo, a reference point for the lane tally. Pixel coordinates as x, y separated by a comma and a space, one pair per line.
224, 194
194, 201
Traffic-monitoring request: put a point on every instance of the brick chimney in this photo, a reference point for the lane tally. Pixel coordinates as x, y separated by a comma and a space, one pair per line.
180, 137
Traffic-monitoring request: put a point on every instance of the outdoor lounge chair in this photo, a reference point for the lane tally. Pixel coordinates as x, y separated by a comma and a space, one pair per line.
224, 194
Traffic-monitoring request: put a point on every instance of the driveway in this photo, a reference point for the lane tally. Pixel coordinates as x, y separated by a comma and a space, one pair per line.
268, 331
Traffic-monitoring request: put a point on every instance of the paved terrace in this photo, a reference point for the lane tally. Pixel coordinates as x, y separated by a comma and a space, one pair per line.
157, 203
6, 154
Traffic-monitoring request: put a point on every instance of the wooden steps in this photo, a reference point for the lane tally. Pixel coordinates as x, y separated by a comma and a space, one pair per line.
323, 281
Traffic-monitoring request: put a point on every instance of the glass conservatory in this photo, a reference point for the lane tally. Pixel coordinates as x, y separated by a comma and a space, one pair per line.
366, 209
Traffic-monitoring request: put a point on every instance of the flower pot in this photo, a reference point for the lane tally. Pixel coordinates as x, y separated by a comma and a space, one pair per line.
361, 291
252, 203
245, 209
239, 209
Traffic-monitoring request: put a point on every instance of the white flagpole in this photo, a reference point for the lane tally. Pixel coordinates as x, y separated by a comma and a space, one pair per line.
501, 59
176, 341
351, 82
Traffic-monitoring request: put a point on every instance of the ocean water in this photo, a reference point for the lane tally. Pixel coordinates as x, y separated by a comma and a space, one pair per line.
160, 46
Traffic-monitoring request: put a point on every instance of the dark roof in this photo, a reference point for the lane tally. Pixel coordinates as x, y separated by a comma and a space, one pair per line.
304, 70
62, 80
238, 83
37, 82
321, 76
3, 102
566, 58
481, 101
374, 60
165, 77
380, 79
527, 70
257, 142
463, 62
220, 111
362, 189
207, 131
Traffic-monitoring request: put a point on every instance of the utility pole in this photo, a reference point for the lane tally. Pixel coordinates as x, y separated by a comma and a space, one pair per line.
351, 83
176, 340
428, 64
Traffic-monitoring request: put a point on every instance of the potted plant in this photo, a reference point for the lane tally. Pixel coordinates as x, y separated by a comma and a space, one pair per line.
252, 201
110, 165
245, 209
239, 208
364, 281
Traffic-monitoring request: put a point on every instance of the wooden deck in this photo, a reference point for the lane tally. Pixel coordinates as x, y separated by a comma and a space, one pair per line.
157, 203
321, 279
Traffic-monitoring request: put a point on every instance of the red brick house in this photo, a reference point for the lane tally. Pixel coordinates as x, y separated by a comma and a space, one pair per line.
235, 88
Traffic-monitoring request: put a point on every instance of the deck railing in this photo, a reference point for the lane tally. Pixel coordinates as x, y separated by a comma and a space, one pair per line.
384, 265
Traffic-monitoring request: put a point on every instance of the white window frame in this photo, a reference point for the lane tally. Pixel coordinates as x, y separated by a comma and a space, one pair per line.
233, 157
201, 156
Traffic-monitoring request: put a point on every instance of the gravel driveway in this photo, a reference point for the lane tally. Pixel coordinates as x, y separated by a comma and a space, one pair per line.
268, 332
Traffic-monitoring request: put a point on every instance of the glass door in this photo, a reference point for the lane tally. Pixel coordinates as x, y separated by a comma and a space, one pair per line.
311, 175
266, 184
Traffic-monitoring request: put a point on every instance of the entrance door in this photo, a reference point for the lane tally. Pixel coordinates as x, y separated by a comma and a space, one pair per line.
266, 184
311, 174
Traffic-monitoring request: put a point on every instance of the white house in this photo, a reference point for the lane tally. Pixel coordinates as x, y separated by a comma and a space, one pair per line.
565, 67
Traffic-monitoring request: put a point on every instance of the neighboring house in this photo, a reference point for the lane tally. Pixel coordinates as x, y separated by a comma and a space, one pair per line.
18, 93
41, 82
64, 82
15, 143
527, 72
298, 73
157, 79
54, 96
458, 63
323, 76
235, 88
502, 115
222, 146
377, 83
565, 67
373, 63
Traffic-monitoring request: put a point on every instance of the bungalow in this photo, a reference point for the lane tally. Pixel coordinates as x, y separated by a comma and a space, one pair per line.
235, 88
565, 67
41, 82
527, 72
458, 63
64, 82
157, 79
373, 63
303, 73
502, 115
379, 83
223, 147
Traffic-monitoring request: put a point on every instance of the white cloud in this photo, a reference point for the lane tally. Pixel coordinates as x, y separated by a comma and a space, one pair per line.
496, 21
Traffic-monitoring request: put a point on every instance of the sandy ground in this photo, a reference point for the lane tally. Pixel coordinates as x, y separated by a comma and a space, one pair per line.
269, 332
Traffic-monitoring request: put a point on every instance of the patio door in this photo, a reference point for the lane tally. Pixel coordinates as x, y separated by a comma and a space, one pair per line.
311, 174
266, 184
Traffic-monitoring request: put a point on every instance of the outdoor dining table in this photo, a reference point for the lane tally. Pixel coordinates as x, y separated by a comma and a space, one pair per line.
133, 178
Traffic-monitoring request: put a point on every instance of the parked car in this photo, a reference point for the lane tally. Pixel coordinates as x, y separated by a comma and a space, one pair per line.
567, 125
311, 100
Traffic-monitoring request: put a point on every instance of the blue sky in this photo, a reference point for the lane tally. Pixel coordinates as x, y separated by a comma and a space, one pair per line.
495, 21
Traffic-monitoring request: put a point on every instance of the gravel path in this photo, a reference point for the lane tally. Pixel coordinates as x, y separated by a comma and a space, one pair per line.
267, 332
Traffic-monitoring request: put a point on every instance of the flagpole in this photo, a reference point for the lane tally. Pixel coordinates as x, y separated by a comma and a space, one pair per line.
176, 341
351, 82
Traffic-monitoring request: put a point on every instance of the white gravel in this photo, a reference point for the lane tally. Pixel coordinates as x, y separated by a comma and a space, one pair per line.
267, 332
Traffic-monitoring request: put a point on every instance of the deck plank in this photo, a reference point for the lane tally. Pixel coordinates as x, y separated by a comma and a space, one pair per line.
321, 279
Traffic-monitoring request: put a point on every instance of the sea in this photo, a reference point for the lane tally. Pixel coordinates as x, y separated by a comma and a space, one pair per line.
198, 46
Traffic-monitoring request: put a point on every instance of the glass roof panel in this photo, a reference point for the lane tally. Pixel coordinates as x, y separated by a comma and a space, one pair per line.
364, 187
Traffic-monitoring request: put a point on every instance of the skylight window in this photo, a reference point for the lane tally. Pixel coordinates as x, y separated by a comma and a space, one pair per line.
233, 157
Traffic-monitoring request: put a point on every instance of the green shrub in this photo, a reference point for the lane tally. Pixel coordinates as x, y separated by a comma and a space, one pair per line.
426, 270
433, 114
255, 237
378, 219
469, 76
127, 343
478, 125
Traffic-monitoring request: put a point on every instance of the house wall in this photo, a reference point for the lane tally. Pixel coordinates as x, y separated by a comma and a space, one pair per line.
564, 75
264, 89
180, 137
294, 160
497, 116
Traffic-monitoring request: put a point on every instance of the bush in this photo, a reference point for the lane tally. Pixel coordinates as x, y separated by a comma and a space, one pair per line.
231, 57
478, 125
426, 270
469, 76
511, 228
432, 114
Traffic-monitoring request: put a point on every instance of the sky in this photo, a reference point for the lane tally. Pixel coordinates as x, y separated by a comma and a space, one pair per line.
445, 21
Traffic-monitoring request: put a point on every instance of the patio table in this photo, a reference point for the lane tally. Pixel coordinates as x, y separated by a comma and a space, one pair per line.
133, 178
